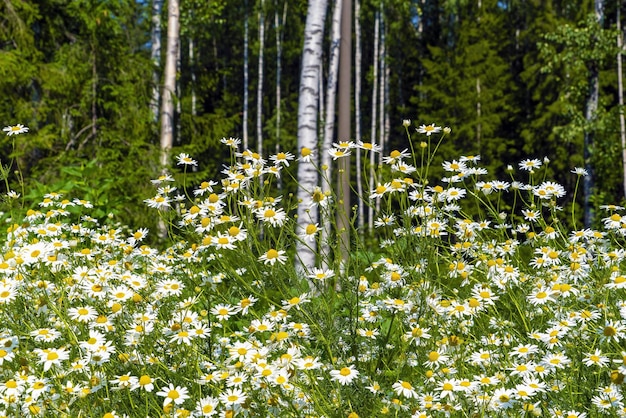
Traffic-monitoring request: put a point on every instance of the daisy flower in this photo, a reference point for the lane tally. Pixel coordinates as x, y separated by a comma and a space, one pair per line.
530, 164
306, 155
296, 301
321, 274
595, 359
184, 159
345, 375
272, 256
8, 293
309, 233
275, 217
282, 158
337, 153
233, 396
429, 129
158, 202
51, 357
175, 394
223, 312
435, 358
83, 314
403, 388
146, 383
307, 363
396, 156
207, 406
16, 129
368, 146
231, 142
125, 381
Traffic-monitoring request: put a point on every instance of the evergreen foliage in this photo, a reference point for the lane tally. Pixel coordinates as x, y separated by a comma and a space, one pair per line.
509, 76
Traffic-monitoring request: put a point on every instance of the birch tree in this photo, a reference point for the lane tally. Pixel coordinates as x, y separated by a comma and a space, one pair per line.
357, 112
259, 91
155, 55
620, 94
307, 128
329, 124
246, 77
278, 24
591, 108
169, 81
345, 116
373, 130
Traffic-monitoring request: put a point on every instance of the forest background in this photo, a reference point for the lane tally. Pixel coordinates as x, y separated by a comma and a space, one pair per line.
514, 79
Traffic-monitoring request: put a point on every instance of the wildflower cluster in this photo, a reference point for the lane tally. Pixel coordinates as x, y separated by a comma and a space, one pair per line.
499, 313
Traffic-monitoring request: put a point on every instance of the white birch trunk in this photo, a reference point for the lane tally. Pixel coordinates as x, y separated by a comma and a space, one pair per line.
329, 127
192, 58
169, 82
155, 56
591, 109
382, 57
246, 79
259, 91
620, 93
278, 22
307, 126
357, 113
370, 217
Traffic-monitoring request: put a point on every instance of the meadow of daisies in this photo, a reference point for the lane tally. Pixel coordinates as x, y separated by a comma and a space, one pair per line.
470, 300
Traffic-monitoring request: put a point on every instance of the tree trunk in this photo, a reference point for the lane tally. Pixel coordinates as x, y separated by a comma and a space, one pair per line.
246, 78
279, 53
192, 69
620, 93
169, 82
307, 127
382, 59
343, 134
329, 127
155, 55
370, 217
590, 115
259, 91
357, 112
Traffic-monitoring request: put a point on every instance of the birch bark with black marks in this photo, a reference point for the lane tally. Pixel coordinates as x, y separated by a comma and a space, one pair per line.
169, 81
155, 56
329, 129
307, 176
